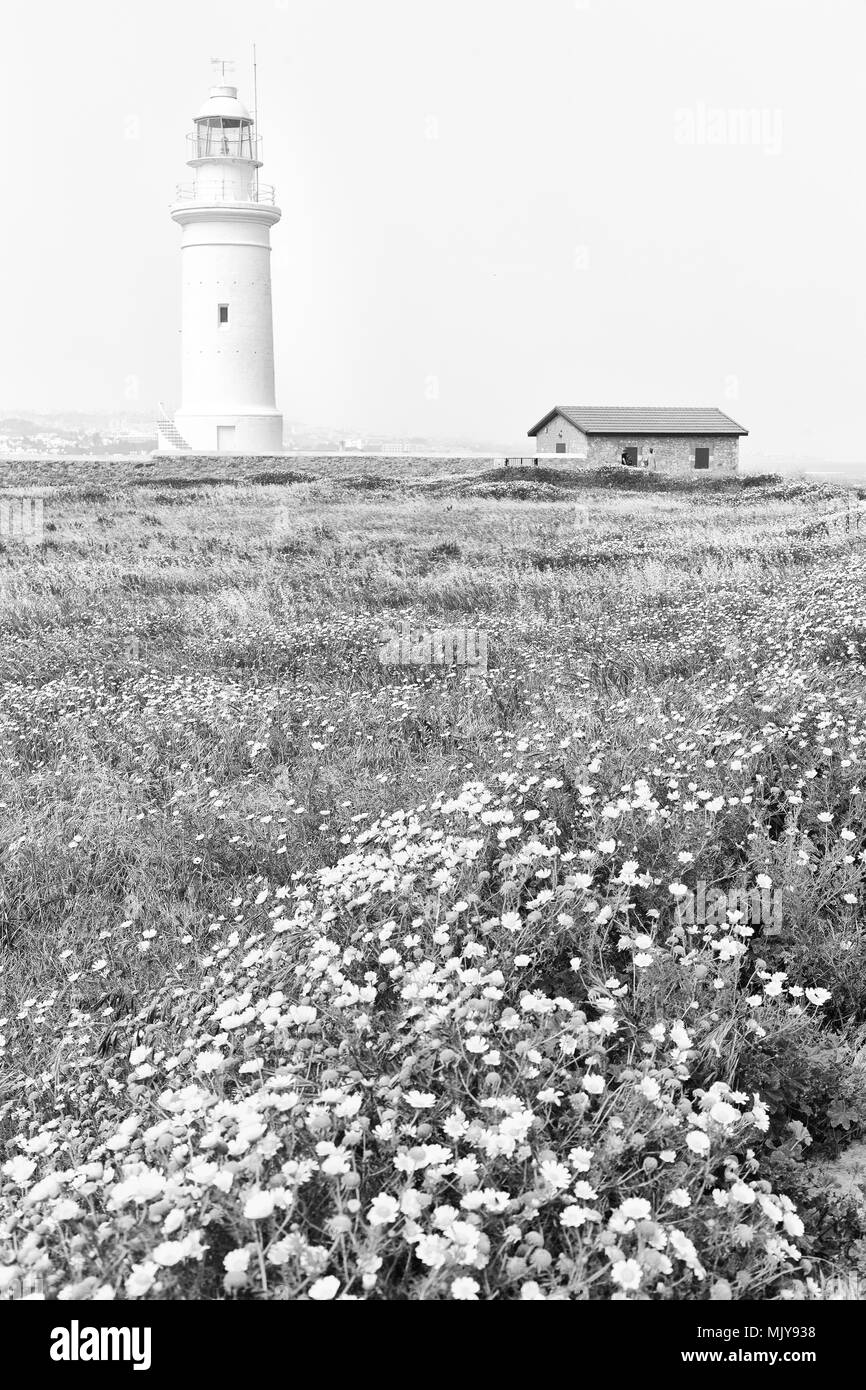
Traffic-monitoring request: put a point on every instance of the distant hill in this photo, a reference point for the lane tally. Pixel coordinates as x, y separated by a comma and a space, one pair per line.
14, 425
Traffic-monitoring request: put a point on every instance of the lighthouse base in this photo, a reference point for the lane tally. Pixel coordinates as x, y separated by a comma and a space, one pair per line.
231, 433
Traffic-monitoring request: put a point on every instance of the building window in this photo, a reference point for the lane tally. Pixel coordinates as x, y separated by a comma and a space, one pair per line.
223, 316
560, 448
702, 457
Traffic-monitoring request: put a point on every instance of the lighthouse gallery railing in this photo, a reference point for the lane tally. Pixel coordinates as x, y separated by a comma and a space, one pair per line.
226, 192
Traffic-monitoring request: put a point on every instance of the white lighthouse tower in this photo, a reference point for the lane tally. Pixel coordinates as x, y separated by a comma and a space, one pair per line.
226, 215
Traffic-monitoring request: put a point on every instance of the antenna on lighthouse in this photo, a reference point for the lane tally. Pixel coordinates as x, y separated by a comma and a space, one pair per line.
256, 113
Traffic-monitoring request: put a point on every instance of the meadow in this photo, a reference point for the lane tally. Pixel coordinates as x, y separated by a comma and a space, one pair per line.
328, 979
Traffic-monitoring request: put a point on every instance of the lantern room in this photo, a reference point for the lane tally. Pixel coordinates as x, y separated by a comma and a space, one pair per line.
224, 129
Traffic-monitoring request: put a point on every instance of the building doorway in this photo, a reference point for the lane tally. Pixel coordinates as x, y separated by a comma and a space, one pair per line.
629, 455
225, 439
702, 458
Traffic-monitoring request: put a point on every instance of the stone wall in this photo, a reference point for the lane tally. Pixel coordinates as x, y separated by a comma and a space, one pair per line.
673, 453
561, 431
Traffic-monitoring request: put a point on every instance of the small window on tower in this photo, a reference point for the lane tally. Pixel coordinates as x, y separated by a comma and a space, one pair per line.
223, 315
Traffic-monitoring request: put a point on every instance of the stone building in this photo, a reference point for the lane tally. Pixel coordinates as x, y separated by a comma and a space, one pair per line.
676, 440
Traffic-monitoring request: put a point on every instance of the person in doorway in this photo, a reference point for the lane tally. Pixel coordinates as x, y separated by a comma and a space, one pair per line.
624, 457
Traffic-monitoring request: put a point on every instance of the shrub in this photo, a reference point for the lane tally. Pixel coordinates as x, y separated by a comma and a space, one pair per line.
381, 1096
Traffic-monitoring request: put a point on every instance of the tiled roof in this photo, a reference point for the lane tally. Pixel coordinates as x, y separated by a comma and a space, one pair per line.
614, 419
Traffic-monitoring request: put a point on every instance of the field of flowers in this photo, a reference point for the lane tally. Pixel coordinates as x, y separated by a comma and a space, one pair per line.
327, 979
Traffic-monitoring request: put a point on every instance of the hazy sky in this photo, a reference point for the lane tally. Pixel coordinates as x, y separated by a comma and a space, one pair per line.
489, 207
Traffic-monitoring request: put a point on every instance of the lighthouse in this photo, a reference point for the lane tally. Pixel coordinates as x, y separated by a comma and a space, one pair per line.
227, 336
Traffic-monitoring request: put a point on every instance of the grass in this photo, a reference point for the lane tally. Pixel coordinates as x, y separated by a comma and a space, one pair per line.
242, 814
